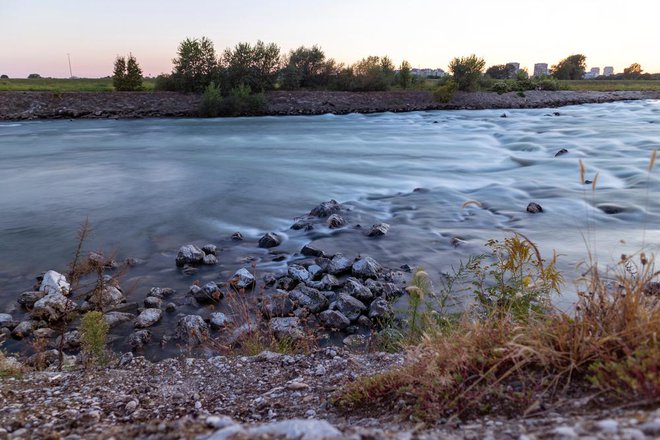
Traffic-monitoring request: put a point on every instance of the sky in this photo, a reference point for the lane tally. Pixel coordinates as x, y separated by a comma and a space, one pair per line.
37, 35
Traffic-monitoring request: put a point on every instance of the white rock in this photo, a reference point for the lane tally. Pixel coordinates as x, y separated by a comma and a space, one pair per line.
298, 429
148, 317
53, 307
219, 422
607, 425
54, 282
565, 432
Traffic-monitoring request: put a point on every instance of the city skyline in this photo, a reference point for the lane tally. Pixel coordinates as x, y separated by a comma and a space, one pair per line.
427, 34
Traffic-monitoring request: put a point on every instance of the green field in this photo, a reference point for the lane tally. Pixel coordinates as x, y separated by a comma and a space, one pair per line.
63, 85
611, 85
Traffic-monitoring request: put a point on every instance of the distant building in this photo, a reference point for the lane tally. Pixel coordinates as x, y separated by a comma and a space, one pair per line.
516, 67
426, 72
541, 69
593, 73
608, 71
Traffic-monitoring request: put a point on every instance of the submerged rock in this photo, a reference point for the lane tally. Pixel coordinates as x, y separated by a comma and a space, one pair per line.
138, 339
54, 282
378, 230
237, 236
270, 240
534, 208
153, 302
115, 318
305, 223
326, 209
561, 152
210, 260
310, 251
189, 254
335, 221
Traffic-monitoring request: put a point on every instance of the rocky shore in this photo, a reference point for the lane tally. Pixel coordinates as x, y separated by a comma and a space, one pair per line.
87, 105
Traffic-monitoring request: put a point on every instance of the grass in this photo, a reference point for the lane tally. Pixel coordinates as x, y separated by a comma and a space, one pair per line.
611, 85
59, 85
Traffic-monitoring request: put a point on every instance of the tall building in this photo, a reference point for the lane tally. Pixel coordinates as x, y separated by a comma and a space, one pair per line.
593, 73
540, 69
516, 66
608, 71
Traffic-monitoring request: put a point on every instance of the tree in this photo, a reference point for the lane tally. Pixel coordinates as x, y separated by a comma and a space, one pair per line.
195, 66
127, 75
571, 67
372, 73
467, 71
34, 76
306, 68
253, 66
405, 74
501, 71
632, 71
4, 77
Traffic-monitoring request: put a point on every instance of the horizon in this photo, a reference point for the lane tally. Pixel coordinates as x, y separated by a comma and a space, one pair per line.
428, 35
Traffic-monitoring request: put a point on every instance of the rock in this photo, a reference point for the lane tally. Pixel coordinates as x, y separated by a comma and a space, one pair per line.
269, 279
334, 319
326, 209
189, 254
278, 305
335, 221
99, 260
148, 317
286, 283
237, 236
7, 321
23, 329
350, 307
152, 302
305, 223
43, 333
170, 307
298, 273
210, 260
125, 359
366, 267
560, 152
138, 339
288, 328
651, 428
53, 307
161, 292
71, 340
339, 265
208, 293
357, 290
27, 299
314, 270
611, 209
115, 318
310, 251
326, 283
218, 320
210, 249
534, 208
294, 429
270, 240
564, 432
54, 282
310, 298
384, 289
610, 426
242, 279
219, 422
378, 230
192, 329
107, 299
380, 310
364, 321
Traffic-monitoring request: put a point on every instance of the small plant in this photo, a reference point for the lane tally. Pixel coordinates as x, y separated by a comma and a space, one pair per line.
93, 335
446, 92
211, 102
500, 87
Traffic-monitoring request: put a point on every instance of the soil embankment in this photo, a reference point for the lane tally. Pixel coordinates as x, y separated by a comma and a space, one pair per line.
47, 105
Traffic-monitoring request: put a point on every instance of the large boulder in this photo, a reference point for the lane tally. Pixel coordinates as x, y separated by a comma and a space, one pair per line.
298, 273
208, 293
242, 279
335, 221
54, 282
339, 265
269, 240
192, 329
287, 328
27, 299
350, 307
326, 209
334, 319
148, 317
366, 267
310, 298
189, 254
53, 307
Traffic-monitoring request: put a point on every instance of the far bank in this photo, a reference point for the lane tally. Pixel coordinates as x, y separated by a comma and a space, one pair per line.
92, 105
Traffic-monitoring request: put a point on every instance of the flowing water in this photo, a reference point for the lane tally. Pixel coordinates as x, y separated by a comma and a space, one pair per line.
149, 186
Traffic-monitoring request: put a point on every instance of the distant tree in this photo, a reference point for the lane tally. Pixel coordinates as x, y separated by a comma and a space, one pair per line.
253, 66
195, 66
501, 71
467, 71
306, 68
34, 76
4, 77
127, 75
405, 74
372, 73
572, 67
633, 71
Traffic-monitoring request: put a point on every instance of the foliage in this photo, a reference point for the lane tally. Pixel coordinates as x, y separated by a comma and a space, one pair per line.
195, 66
164, 82
254, 66
634, 71
500, 87
3, 76
240, 102
372, 73
61, 85
571, 67
404, 76
445, 92
93, 335
501, 71
307, 68
211, 101
34, 76
127, 74
467, 71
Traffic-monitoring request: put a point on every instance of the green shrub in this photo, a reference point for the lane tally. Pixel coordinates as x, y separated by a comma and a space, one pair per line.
467, 71
445, 92
93, 335
500, 87
548, 84
211, 102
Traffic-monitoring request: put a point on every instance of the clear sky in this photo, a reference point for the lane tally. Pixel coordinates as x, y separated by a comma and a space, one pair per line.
36, 35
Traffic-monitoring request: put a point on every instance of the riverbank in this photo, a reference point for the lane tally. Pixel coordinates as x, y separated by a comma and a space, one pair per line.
74, 105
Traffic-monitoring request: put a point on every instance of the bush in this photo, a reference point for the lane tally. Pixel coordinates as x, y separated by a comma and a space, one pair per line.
500, 87
239, 102
195, 66
34, 76
548, 84
165, 83
93, 334
445, 92
254, 66
467, 71
4, 77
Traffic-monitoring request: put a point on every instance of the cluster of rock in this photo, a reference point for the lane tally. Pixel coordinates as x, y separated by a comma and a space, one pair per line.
330, 214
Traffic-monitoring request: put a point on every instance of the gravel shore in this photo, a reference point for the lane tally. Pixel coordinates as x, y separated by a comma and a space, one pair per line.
48, 105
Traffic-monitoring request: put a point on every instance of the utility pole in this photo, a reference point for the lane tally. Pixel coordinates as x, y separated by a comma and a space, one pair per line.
70, 71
